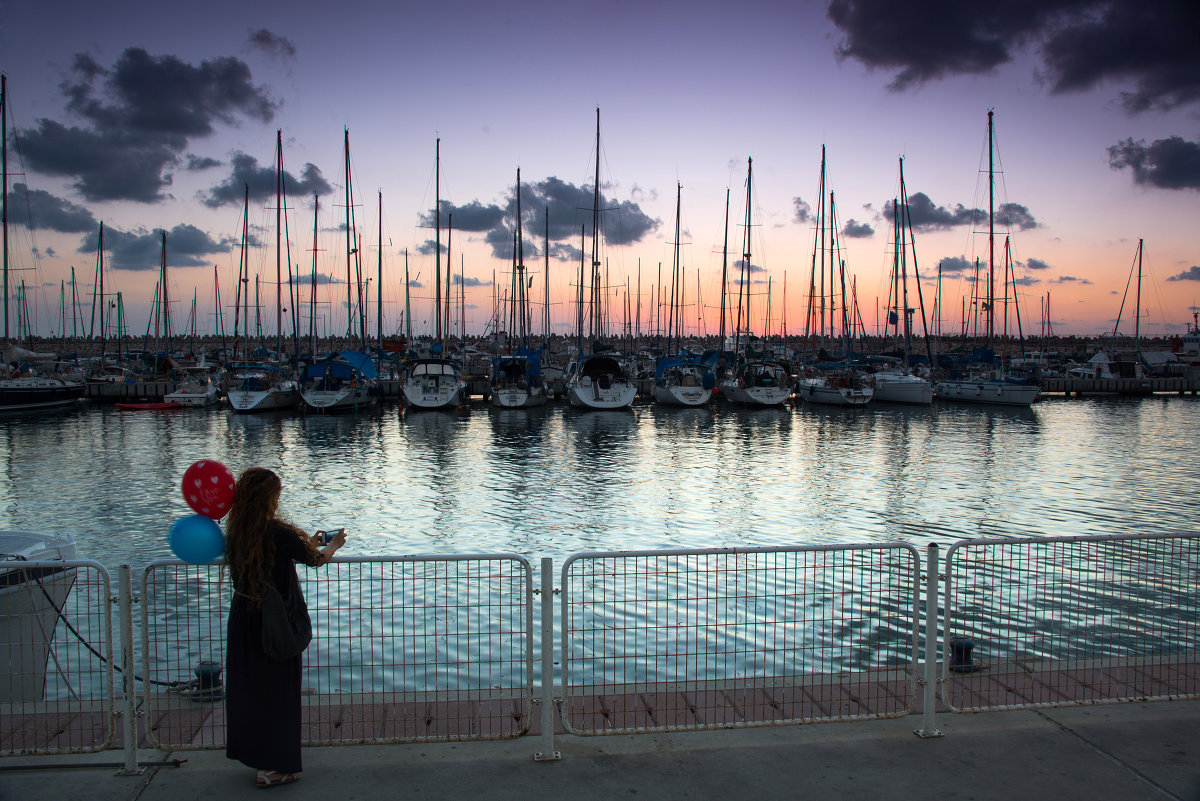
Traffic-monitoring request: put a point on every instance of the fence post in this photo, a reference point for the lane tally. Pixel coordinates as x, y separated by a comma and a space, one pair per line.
128, 679
928, 729
547, 753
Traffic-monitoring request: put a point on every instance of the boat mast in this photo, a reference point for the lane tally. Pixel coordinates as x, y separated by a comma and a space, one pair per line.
546, 254
991, 234
597, 310
379, 288
743, 317
349, 242
312, 293
4, 187
675, 320
278, 242
437, 228
724, 274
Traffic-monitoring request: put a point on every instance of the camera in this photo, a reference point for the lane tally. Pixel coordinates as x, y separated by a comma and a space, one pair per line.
326, 537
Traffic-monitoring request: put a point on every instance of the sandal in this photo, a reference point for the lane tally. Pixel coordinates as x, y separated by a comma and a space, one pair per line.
274, 778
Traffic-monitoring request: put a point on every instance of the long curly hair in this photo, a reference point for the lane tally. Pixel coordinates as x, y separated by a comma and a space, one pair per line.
249, 545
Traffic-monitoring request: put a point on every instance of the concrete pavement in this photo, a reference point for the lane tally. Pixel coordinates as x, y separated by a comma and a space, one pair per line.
1124, 752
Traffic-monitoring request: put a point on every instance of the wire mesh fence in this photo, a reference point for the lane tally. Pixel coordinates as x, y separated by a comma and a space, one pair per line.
56, 657
1071, 620
668, 640
406, 649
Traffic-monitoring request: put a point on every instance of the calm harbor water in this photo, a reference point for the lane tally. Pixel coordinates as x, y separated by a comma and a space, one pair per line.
556, 481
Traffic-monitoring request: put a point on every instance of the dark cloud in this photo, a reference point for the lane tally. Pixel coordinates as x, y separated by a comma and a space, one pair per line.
272, 44
1190, 274
956, 265
1172, 163
458, 280
261, 180
1014, 215
569, 206
1077, 44
1070, 279
142, 250
40, 209
1036, 264
928, 216
428, 247
196, 163
139, 117
802, 212
1027, 280
754, 268
322, 279
857, 230
1149, 45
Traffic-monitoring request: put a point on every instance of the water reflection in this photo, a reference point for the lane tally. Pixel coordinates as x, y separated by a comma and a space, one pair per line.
553, 481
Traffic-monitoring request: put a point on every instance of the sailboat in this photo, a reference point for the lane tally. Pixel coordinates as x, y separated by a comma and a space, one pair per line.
26, 380
682, 379
432, 381
830, 382
755, 380
258, 386
602, 379
898, 384
516, 381
984, 379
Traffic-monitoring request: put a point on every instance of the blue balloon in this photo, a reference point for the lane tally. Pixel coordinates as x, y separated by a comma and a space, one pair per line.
196, 539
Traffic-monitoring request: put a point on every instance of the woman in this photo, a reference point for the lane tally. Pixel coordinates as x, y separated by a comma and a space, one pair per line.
262, 695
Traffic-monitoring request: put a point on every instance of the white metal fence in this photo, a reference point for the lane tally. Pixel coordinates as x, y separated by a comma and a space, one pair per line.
435, 648
56, 657
417, 648
668, 640
1071, 620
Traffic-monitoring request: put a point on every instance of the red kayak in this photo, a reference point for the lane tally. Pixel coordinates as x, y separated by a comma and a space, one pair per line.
143, 407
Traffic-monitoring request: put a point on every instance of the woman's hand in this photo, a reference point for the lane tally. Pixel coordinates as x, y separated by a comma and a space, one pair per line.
339, 539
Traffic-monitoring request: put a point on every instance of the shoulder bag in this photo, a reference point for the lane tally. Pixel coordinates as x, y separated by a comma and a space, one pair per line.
286, 627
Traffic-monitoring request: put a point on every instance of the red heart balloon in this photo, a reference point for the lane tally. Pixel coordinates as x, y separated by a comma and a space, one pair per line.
208, 488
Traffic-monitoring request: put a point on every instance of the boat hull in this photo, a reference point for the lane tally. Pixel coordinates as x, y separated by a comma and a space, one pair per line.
518, 398
994, 392
342, 399
896, 388
819, 391
38, 392
263, 400
31, 595
679, 395
586, 393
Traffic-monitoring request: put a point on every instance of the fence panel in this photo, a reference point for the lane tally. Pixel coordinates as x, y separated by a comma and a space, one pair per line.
406, 649
56, 658
1071, 620
695, 639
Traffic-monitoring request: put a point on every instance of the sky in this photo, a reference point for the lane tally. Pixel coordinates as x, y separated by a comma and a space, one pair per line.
151, 118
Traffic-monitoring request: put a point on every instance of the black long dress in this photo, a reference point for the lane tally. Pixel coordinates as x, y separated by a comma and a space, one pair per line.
262, 695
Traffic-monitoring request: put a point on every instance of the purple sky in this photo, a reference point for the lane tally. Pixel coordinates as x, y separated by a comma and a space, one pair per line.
150, 117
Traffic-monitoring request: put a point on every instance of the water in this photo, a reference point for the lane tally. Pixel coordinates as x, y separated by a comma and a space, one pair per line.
556, 481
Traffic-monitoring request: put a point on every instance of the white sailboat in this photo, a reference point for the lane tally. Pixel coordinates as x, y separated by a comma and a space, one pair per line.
345, 381
984, 379
432, 381
754, 381
603, 379
682, 379
264, 385
896, 382
516, 375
